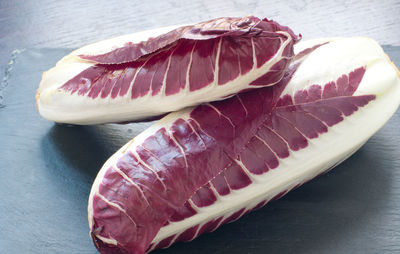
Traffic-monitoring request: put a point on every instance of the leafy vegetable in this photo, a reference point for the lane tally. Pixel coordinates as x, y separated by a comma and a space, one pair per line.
167, 184
189, 65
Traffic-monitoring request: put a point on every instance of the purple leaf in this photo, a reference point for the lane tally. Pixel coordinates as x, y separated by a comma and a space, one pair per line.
187, 56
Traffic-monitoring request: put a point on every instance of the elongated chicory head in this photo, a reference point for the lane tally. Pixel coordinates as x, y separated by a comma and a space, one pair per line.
204, 166
148, 74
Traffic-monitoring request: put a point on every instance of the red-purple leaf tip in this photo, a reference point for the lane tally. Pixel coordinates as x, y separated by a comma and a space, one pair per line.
220, 27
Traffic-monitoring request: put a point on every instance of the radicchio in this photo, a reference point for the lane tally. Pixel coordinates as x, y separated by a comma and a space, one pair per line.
166, 185
187, 66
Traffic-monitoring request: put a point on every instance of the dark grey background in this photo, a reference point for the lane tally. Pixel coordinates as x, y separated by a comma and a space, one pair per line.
47, 169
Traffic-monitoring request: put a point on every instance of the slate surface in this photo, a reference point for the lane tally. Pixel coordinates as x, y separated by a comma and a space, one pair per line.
47, 171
